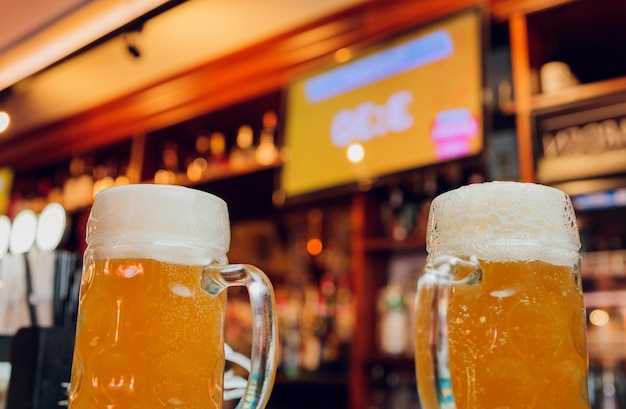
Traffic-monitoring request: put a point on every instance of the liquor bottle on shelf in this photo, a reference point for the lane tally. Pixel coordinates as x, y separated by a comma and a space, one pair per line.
170, 156
203, 145
402, 214
78, 188
328, 315
290, 333
393, 320
122, 177
266, 152
242, 154
312, 330
55, 194
197, 164
101, 179
167, 174
108, 174
218, 159
345, 310
196, 169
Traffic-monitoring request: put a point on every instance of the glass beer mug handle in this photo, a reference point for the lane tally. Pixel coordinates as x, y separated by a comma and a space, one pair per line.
264, 327
432, 359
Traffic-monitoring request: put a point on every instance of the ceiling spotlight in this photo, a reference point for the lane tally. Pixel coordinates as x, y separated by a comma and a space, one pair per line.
130, 38
133, 50
131, 44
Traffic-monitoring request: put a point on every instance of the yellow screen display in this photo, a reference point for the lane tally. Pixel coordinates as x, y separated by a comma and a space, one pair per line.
414, 102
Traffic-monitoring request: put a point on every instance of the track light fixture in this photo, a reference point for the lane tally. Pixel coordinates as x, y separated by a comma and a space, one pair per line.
130, 39
133, 50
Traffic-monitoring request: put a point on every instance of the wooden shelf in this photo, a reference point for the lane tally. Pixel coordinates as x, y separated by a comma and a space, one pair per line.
183, 180
578, 93
570, 95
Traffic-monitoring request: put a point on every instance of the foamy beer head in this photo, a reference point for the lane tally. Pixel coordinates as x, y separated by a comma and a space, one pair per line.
167, 223
504, 221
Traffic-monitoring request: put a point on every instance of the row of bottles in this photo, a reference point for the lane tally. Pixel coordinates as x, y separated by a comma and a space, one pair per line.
74, 187
316, 325
211, 155
75, 184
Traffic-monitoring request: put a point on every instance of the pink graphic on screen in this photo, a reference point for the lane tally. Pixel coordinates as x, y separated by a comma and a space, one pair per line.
452, 133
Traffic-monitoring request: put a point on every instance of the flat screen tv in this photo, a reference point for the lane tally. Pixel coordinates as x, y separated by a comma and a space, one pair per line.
410, 102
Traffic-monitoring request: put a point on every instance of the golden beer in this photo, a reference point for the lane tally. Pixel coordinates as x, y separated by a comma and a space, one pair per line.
517, 339
515, 334
130, 324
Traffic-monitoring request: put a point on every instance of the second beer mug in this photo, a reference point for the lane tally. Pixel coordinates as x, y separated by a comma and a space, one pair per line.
500, 315
152, 304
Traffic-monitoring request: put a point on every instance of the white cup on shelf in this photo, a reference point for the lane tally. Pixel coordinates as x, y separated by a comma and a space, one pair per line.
556, 75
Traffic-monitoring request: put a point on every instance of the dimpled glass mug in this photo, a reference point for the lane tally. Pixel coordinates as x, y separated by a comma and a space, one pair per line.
500, 316
152, 302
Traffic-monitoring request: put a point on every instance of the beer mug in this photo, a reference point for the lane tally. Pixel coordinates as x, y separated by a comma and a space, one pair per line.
152, 303
500, 316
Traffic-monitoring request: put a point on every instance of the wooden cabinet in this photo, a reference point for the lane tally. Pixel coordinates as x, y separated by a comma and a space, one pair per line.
586, 36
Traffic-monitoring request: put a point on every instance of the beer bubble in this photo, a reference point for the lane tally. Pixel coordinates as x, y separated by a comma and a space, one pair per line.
503, 293
514, 380
535, 333
181, 290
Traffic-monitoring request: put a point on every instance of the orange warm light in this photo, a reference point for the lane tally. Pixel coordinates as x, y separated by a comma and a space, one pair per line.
599, 318
314, 246
5, 120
